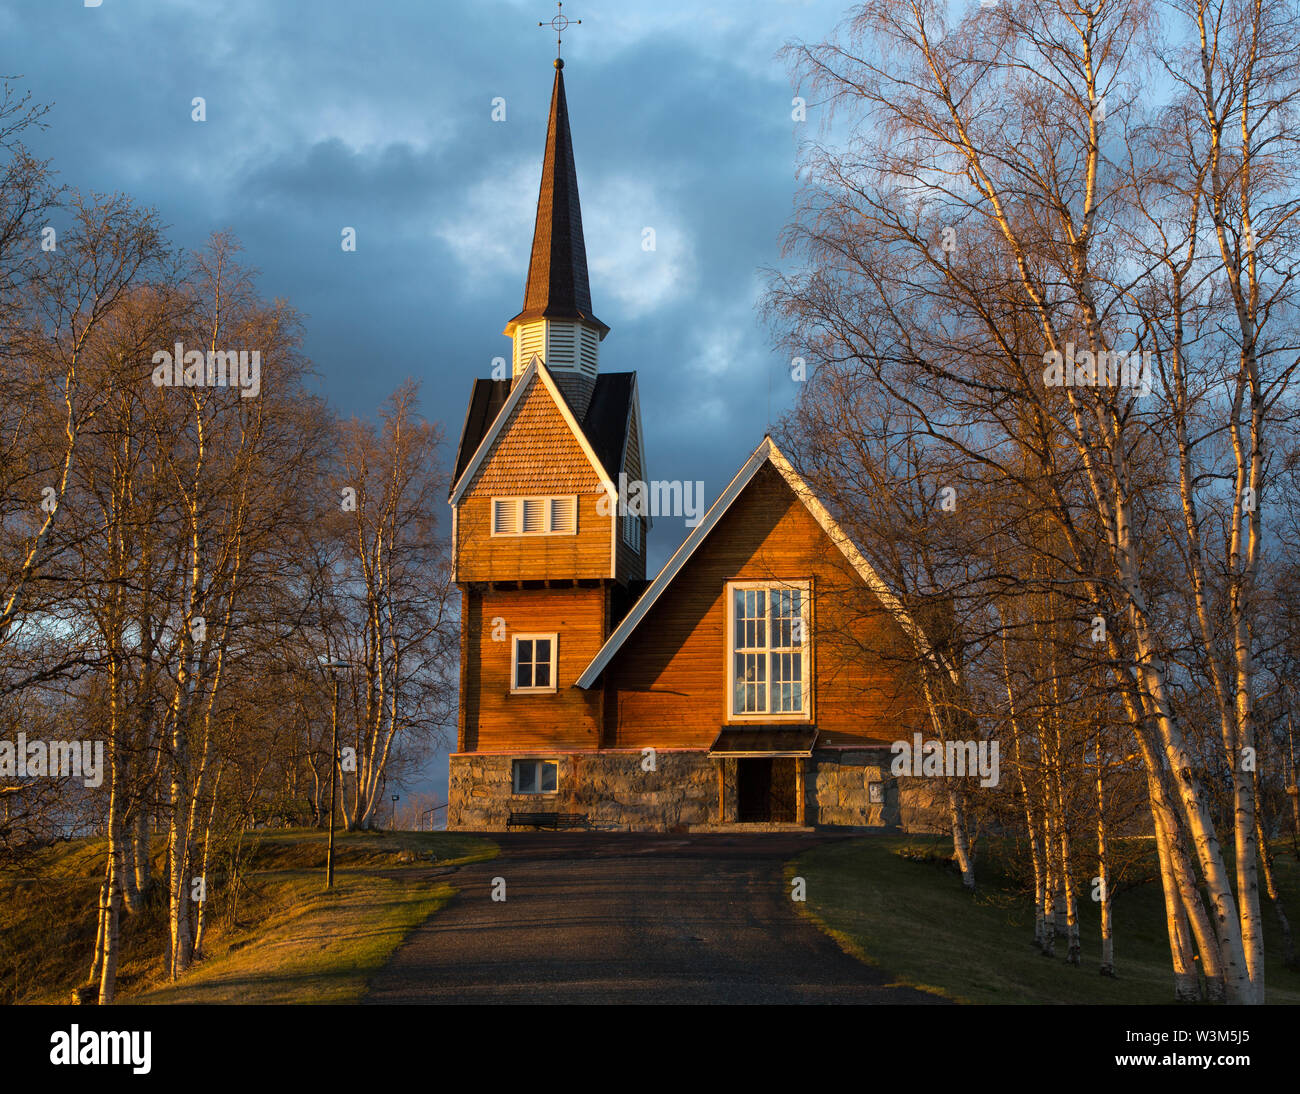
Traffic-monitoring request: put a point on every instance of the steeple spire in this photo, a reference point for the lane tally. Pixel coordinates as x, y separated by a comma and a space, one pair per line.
557, 286
556, 323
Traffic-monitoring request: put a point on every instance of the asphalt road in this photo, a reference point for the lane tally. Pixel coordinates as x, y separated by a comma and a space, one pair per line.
629, 918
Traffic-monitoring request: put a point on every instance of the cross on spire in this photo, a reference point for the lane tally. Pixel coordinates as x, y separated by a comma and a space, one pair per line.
560, 24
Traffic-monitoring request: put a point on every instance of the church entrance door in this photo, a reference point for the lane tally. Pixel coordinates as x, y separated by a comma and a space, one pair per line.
765, 790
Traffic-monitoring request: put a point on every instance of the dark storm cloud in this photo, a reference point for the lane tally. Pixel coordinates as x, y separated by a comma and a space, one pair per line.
322, 115
326, 115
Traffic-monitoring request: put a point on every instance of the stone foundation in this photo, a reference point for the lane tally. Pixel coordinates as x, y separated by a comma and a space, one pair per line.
610, 787
839, 794
617, 794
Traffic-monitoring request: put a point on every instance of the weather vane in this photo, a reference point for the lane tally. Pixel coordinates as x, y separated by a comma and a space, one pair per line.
560, 24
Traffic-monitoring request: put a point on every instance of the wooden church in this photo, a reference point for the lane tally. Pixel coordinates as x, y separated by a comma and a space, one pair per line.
757, 680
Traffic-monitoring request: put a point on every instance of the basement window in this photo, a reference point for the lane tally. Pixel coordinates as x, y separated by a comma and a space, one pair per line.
536, 776
533, 667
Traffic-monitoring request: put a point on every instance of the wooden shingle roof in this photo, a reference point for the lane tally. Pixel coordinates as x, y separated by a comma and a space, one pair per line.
604, 426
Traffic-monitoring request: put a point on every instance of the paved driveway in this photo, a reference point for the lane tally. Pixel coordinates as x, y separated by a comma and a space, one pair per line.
629, 918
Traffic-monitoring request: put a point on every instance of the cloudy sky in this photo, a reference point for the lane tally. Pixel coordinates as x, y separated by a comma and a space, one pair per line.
323, 114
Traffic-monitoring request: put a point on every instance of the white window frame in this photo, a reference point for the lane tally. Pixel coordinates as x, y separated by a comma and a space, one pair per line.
537, 765
514, 663
548, 527
806, 660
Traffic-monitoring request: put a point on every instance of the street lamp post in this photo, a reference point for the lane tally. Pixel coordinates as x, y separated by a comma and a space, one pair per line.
334, 667
394, 822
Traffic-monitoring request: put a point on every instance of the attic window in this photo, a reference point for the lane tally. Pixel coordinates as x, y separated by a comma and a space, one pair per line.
555, 516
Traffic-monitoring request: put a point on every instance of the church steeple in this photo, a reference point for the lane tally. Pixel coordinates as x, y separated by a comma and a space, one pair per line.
557, 321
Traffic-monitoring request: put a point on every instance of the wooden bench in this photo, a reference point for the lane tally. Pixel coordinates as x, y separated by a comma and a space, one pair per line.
553, 821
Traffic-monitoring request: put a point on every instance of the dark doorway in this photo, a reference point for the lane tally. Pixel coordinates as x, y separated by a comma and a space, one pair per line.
765, 790
783, 790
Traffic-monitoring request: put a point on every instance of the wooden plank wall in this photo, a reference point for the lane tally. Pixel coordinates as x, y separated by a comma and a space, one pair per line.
666, 686
485, 557
495, 720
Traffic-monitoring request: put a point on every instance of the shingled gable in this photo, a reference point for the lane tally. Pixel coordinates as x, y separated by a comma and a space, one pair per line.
606, 435
766, 452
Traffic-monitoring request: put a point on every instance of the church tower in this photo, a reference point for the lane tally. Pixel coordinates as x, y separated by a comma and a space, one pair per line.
546, 561
556, 322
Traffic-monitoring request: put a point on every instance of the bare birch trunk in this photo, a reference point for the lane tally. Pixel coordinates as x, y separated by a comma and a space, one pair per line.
207, 843
1049, 888
960, 842
108, 970
1103, 871
97, 962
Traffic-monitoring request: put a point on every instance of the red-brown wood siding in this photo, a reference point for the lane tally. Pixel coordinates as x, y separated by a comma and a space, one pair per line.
493, 719
666, 686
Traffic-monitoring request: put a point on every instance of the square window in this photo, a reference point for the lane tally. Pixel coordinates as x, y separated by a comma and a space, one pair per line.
533, 667
564, 515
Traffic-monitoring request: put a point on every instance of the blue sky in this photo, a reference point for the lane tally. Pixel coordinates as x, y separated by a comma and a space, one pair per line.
377, 116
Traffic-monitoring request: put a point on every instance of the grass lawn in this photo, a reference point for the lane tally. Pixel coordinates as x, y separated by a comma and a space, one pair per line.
913, 919
287, 939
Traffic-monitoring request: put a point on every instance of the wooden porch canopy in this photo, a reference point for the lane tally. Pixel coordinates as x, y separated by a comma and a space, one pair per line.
766, 741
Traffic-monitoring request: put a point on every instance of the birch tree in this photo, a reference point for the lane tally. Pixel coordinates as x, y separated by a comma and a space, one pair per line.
987, 215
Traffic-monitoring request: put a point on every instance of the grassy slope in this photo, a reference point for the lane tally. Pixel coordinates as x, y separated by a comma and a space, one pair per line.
288, 941
913, 919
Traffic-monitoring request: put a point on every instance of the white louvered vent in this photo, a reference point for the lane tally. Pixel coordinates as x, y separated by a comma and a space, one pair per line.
562, 346
632, 531
564, 515
534, 516
530, 338
505, 516
589, 352
544, 516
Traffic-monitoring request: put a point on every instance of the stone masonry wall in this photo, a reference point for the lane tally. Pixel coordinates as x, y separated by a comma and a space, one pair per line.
618, 795
610, 787
838, 794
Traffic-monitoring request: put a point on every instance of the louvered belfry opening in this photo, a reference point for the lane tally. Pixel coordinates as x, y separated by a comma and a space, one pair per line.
556, 322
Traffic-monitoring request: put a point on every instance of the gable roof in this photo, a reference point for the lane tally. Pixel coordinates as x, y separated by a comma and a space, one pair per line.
765, 453
606, 420
485, 403
602, 434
